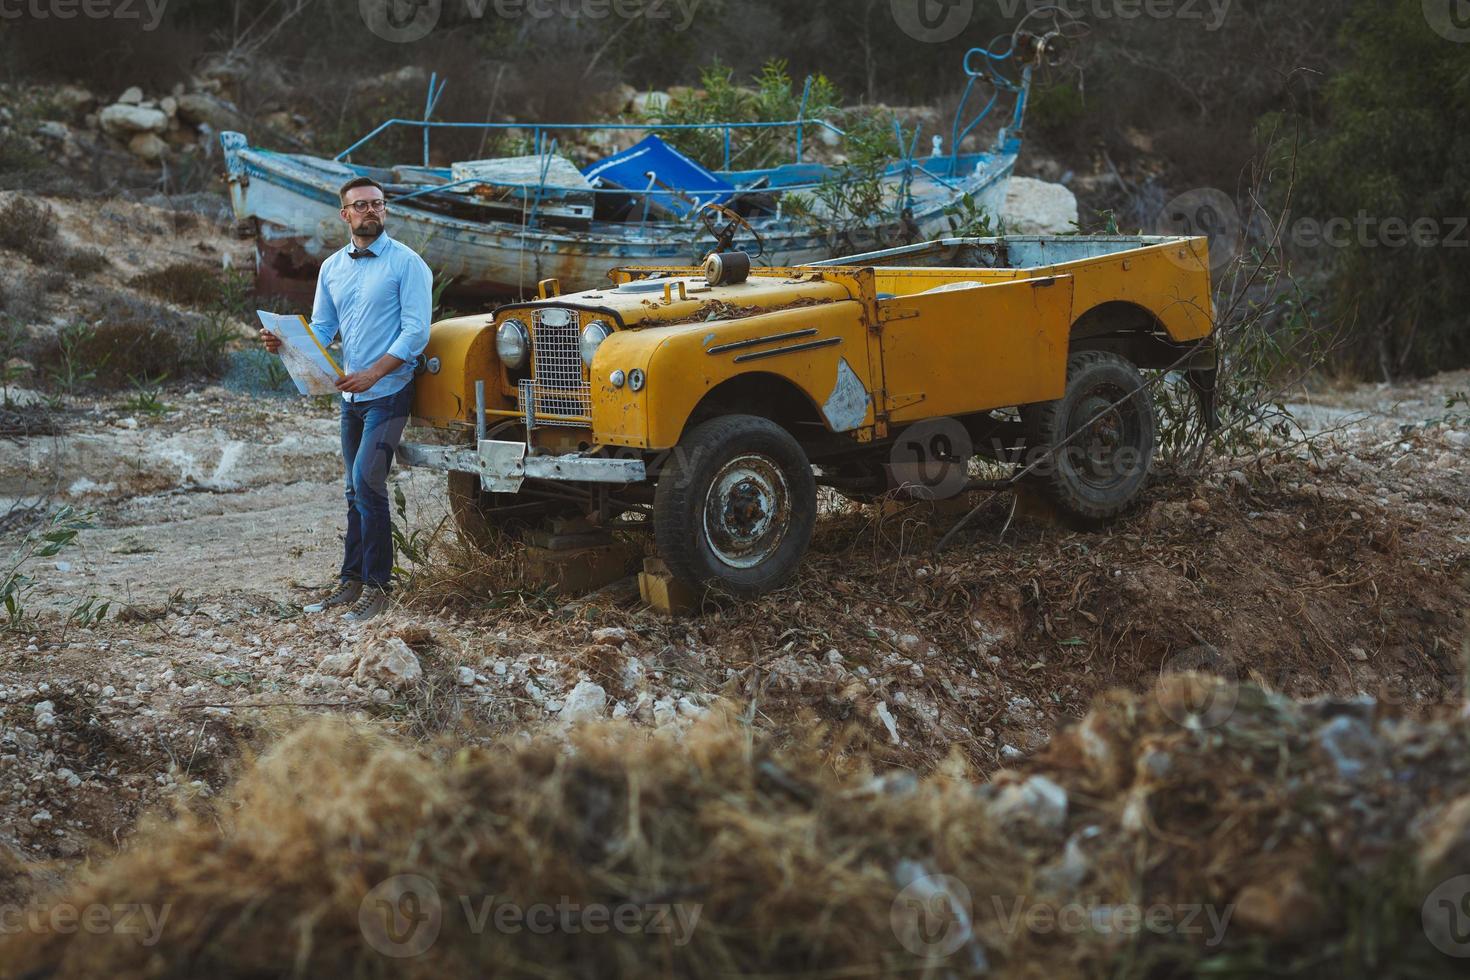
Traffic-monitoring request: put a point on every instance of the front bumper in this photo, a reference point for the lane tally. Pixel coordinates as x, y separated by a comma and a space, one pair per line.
504, 466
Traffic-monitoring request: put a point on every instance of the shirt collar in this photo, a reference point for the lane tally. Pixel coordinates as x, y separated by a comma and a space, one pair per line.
377, 247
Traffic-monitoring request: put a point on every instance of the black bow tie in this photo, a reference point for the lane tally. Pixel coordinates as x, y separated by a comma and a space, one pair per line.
363, 254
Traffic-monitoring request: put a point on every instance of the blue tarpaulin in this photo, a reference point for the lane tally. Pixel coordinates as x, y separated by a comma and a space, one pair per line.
679, 185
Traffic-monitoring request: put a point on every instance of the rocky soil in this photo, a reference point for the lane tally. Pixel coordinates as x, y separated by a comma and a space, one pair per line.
1338, 567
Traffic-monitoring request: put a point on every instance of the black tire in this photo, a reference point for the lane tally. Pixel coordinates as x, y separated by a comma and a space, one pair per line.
757, 467
1095, 476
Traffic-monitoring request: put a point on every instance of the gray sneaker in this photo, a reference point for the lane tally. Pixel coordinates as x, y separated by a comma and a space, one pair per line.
345, 594
372, 601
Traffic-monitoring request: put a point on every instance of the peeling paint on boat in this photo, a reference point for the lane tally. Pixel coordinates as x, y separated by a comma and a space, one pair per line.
292, 201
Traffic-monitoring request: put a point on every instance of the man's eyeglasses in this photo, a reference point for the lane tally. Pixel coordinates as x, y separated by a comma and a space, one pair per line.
362, 207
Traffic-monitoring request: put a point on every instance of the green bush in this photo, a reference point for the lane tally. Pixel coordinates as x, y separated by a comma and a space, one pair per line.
719, 99
1392, 144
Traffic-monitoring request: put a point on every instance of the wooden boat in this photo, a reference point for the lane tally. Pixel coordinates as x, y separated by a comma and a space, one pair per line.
498, 228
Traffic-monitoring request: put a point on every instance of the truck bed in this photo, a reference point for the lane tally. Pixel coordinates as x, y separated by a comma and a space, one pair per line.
1009, 252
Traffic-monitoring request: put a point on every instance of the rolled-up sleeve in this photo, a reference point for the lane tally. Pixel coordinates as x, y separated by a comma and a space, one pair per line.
415, 300
324, 320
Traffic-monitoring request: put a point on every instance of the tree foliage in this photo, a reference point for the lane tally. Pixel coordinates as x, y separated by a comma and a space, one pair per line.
1385, 161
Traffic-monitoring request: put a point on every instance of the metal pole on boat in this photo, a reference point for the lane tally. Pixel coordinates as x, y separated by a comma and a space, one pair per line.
431, 102
801, 117
428, 104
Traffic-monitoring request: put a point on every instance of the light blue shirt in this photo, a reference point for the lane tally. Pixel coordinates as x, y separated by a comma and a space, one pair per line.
380, 306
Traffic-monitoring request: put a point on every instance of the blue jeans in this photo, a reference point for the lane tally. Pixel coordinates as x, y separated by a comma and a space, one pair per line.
371, 431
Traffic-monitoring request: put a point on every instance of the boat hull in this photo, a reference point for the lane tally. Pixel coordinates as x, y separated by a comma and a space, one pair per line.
291, 207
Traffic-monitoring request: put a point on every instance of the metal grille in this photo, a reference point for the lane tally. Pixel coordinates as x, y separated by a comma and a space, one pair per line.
560, 386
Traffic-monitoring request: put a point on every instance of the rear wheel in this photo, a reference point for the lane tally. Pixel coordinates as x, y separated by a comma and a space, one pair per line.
735, 506
1103, 434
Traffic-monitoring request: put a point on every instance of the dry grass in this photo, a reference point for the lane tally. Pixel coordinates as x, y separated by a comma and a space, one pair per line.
795, 859
185, 283
788, 866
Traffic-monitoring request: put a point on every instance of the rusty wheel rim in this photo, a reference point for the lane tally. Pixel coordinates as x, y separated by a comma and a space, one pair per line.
747, 511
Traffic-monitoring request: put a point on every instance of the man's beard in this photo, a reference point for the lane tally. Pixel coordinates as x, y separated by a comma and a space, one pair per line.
369, 228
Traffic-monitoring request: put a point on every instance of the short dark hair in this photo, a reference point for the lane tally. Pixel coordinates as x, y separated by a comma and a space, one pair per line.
358, 182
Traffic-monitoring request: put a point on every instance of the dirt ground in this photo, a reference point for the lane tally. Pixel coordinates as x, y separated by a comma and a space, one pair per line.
1342, 572
1335, 567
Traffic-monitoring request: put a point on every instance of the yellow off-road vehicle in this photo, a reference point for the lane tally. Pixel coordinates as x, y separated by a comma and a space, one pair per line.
715, 401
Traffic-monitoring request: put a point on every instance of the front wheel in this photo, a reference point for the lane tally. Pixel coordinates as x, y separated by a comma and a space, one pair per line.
735, 505
1099, 437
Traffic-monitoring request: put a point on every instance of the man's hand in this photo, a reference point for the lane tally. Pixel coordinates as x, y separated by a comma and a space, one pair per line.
271, 341
359, 381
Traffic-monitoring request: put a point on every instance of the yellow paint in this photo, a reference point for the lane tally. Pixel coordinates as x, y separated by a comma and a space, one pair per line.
680, 372
466, 351
918, 354
989, 346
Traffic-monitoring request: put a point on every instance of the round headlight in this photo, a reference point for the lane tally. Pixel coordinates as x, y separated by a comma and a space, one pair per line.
513, 344
592, 338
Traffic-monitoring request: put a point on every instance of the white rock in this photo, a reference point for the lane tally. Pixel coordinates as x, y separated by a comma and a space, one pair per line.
125, 120
390, 664
650, 102
610, 636
41, 817
339, 664
464, 677
45, 714
199, 109
1038, 801
1010, 753
586, 702
886, 717
1035, 207
664, 713
131, 96
147, 146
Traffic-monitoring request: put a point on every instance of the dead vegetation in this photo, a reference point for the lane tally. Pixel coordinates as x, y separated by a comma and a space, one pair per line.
1300, 836
29, 227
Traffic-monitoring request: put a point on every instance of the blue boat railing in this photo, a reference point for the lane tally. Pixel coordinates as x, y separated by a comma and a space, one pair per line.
540, 131
906, 162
